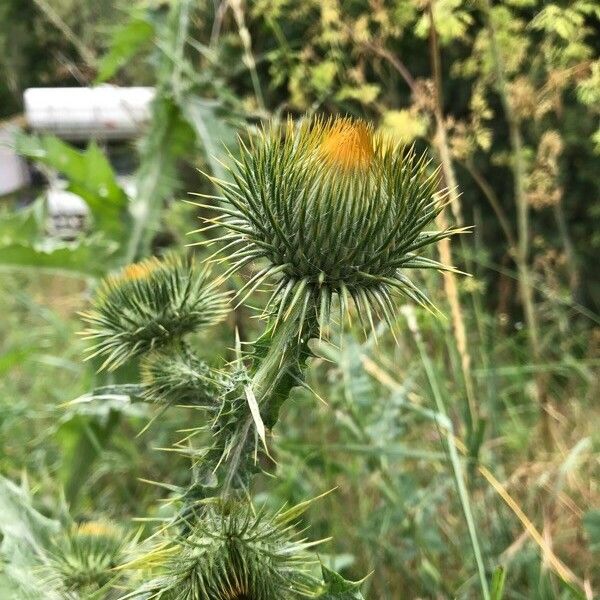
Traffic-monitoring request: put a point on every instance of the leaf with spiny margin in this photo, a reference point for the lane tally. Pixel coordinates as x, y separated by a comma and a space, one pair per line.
338, 588
25, 535
90, 176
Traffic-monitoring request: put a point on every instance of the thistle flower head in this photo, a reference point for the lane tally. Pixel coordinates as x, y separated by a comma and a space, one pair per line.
149, 305
83, 558
334, 210
236, 553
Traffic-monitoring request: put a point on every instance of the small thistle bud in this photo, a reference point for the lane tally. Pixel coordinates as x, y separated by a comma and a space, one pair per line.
83, 559
236, 553
334, 210
149, 305
179, 377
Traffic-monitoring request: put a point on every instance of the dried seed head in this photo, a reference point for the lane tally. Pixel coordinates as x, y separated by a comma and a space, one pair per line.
334, 210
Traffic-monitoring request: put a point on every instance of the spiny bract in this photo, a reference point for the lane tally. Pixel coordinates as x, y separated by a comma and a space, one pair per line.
149, 305
335, 210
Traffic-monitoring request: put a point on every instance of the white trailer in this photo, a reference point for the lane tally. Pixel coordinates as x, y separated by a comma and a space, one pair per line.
103, 113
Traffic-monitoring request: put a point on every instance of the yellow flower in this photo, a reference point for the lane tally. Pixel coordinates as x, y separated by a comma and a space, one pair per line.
139, 270
96, 529
132, 272
347, 144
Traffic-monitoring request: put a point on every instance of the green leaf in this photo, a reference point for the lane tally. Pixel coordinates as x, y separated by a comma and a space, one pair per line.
126, 42
90, 176
24, 244
365, 93
169, 138
26, 224
25, 535
211, 129
322, 75
498, 580
404, 125
338, 588
88, 257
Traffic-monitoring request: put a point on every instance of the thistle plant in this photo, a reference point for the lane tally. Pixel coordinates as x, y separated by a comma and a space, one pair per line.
59, 559
179, 377
330, 214
327, 211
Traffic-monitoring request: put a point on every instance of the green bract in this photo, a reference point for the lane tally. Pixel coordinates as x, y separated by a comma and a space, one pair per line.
333, 210
149, 305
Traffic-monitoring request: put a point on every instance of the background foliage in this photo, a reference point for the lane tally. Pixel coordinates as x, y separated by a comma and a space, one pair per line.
506, 97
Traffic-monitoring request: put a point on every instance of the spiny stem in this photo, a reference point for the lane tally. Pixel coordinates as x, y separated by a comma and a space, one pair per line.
284, 354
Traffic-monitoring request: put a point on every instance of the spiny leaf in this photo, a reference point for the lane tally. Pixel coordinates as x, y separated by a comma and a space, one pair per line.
338, 588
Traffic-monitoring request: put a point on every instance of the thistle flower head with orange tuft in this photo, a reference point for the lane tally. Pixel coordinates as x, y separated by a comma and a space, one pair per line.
139, 270
331, 209
149, 305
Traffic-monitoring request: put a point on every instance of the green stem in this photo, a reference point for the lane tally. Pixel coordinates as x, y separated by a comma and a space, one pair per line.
279, 369
282, 358
457, 469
